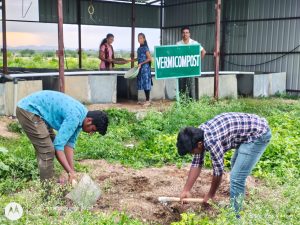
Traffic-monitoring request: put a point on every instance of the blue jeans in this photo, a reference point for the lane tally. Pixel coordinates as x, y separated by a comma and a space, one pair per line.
244, 159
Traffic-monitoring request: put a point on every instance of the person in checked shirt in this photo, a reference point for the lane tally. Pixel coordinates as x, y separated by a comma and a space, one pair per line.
249, 134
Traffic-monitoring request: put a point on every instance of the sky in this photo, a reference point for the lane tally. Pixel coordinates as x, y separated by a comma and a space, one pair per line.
40, 34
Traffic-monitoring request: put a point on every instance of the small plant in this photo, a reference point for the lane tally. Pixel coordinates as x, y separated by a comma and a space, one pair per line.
15, 127
3, 152
81, 168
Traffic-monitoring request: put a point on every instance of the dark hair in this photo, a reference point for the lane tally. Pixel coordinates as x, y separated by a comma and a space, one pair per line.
145, 43
188, 139
185, 28
104, 40
100, 120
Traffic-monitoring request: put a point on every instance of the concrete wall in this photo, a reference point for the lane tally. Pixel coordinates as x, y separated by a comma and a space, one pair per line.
103, 89
78, 88
279, 83
166, 89
170, 88
261, 84
227, 86
92, 89
161, 89
2, 99
24, 88
157, 91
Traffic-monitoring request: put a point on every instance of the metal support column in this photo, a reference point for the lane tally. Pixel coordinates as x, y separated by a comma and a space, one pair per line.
161, 22
223, 43
79, 34
217, 48
60, 51
132, 31
4, 48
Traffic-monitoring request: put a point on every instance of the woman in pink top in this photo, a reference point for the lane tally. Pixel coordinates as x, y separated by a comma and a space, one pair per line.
106, 53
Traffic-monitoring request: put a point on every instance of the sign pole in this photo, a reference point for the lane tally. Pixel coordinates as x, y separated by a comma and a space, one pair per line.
177, 90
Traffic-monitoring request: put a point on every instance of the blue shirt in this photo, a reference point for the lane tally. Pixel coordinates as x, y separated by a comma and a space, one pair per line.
60, 112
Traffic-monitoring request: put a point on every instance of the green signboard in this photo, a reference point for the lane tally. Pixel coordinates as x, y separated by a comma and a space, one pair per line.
177, 61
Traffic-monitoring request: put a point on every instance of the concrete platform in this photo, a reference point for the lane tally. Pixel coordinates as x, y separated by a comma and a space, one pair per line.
261, 85
7, 94
92, 89
227, 86
157, 91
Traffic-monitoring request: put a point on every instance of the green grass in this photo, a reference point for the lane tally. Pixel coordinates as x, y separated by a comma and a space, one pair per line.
49, 207
40, 61
88, 63
270, 204
154, 139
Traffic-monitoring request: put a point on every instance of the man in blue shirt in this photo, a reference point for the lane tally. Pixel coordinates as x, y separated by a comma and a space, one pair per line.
41, 112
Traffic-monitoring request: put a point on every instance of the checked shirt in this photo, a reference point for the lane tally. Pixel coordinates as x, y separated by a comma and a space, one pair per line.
227, 131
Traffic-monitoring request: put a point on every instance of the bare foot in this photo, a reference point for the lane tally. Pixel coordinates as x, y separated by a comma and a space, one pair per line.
147, 103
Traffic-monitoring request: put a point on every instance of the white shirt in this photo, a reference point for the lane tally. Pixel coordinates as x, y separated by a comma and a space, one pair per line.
191, 42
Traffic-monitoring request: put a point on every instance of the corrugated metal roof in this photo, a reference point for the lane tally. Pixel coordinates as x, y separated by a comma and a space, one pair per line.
104, 13
198, 12
48, 11
149, 2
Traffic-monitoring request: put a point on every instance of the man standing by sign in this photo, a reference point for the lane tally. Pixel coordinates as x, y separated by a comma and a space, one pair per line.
187, 40
189, 83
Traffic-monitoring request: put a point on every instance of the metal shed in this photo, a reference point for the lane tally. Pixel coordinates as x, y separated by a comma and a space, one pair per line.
256, 35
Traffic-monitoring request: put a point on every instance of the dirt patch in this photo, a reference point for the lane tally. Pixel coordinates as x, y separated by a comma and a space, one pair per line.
4, 132
136, 191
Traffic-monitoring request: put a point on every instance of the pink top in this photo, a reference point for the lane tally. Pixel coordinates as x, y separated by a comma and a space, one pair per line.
110, 53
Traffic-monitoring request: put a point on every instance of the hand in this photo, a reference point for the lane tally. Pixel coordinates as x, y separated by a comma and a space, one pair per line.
139, 66
109, 60
207, 197
185, 194
72, 177
62, 179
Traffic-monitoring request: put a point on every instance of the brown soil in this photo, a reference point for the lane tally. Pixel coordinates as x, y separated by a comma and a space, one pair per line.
4, 132
136, 191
